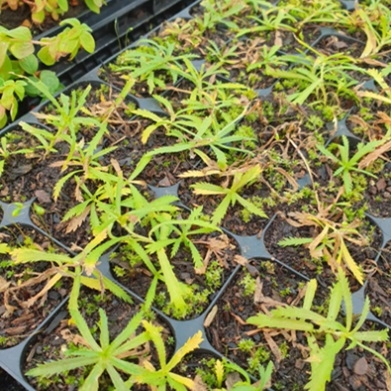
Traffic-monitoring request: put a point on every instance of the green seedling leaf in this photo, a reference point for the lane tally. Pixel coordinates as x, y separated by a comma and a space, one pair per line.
350, 263
276, 321
336, 297
322, 361
29, 64
294, 241
371, 336
251, 207
310, 294
87, 42
94, 5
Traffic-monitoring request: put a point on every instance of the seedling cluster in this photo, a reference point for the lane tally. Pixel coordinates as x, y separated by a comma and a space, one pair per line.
230, 172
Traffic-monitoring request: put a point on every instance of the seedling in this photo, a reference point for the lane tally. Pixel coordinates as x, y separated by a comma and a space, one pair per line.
348, 165
331, 237
326, 335
151, 62
240, 180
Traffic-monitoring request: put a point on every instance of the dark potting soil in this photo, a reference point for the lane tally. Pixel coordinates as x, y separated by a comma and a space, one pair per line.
379, 286
8, 383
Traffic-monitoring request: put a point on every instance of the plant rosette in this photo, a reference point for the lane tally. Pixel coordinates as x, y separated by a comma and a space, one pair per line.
260, 286
152, 64
370, 121
62, 337
198, 269
316, 248
67, 162
265, 171
28, 293
236, 218
292, 355
31, 176
247, 61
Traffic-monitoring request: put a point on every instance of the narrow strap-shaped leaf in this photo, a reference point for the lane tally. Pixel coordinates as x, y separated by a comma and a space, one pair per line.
104, 330
350, 263
24, 255
129, 348
190, 345
371, 336
347, 181
130, 329
93, 256
127, 367
300, 313
110, 285
310, 294
175, 288
91, 383
61, 182
154, 333
344, 149
204, 188
65, 364
363, 316
335, 302
84, 330
251, 207
180, 383
292, 241
146, 158
116, 378
277, 322
221, 210
196, 256
322, 361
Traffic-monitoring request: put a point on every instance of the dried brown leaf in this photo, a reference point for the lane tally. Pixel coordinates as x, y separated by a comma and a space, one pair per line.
273, 346
43, 196
288, 177
239, 259
4, 284
210, 317
75, 222
199, 385
41, 294
377, 153
278, 38
70, 337
15, 330
258, 295
232, 379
